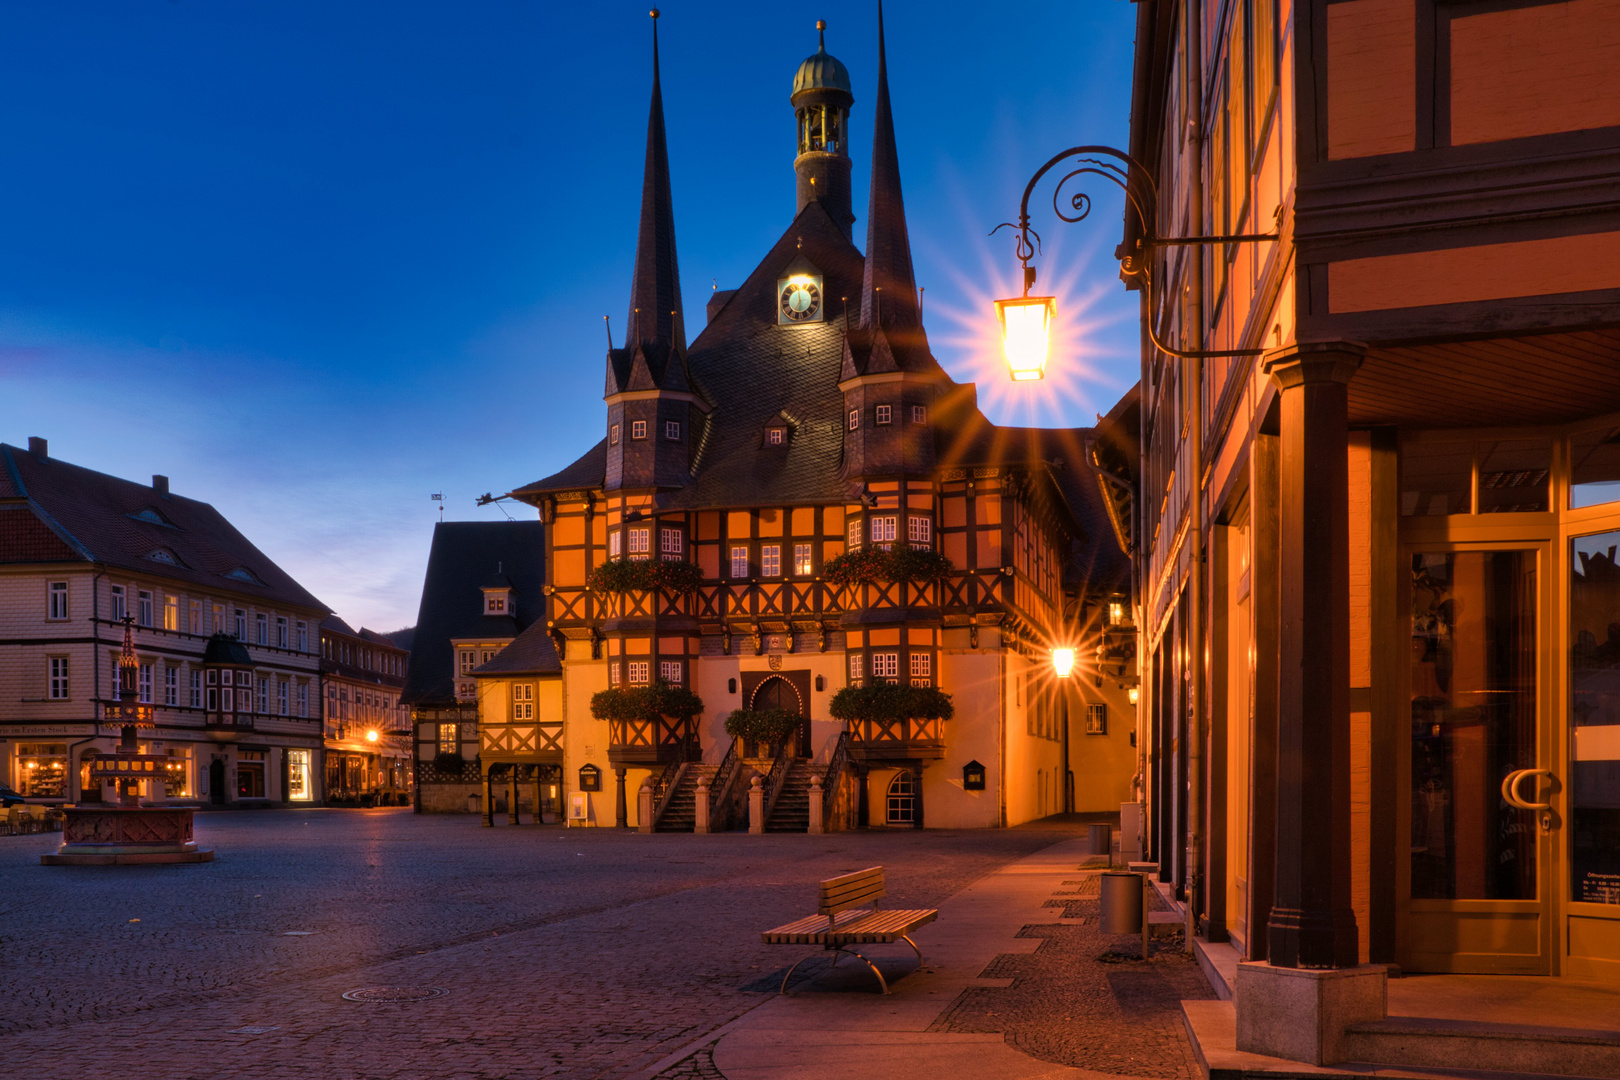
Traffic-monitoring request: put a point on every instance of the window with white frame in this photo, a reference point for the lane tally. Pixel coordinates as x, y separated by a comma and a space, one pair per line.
671, 671
854, 534
303, 636
883, 532
638, 671
241, 625
469, 660
638, 429
263, 622
143, 615
171, 613
171, 685
145, 684
523, 701
775, 436
919, 414
59, 678
885, 665
195, 625
303, 699
489, 654
264, 696
739, 562
854, 419
615, 539
282, 697
495, 603
922, 669
448, 742
244, 696
1097, 719
885, 414
613, 435
802, 564
613, 673
119, 607
56, 597
770, 560
855, 669
919, 530
670, 544
639, 541
196, 688
283, 639
672, 430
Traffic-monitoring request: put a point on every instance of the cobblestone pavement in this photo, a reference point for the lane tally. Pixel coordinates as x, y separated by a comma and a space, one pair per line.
1086, 999
578, 954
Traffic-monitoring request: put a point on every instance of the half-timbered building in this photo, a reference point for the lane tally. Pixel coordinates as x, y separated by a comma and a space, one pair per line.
809, 420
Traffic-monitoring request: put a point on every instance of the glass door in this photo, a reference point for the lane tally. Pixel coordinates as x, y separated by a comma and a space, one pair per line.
1594, 753
1476, 895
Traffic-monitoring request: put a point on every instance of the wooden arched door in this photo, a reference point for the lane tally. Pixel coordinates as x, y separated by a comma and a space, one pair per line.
777, 693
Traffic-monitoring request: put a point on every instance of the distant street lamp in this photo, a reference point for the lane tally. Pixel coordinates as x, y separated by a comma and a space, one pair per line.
1026, 321
372, 736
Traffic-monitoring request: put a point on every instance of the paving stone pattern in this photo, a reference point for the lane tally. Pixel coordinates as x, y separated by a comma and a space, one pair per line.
1086, 999
576, 954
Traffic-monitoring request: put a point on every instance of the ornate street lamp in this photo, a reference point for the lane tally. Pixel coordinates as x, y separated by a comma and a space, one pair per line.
1026, 321
128, 767
1063, 662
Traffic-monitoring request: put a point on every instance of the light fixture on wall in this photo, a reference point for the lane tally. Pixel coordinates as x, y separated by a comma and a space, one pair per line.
1063, 662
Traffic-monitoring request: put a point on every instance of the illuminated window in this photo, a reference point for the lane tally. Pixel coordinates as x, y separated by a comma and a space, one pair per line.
770, 560
739, 562
56, 600
59, 678
775, 436
885, 665
638, 671
919, 530
671, 671
299, 788
919, 414
614, 541
669, 543
638, 429
854, 419
922, 668
883, 532
640, 541
447, 739
801, 560
854, 668
171, 613
885, 414
672, 430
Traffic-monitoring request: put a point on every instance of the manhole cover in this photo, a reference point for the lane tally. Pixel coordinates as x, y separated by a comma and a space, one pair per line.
394, 993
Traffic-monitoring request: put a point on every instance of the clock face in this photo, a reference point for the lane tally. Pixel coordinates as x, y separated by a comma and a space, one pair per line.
799, 301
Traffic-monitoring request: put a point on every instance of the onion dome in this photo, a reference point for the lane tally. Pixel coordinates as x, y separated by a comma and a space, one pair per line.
822, 71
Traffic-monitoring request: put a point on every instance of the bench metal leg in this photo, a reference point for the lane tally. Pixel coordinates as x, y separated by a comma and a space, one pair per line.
905, 938
884, 983
794, 968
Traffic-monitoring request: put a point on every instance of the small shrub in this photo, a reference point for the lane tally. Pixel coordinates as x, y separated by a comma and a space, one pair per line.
917, 564
771, 726
861, 567
877, 700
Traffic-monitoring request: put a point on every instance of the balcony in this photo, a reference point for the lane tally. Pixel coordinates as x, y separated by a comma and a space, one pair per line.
894, 740
652, 742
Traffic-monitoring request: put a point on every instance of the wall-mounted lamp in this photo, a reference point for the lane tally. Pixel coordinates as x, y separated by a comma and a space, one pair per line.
1063, 662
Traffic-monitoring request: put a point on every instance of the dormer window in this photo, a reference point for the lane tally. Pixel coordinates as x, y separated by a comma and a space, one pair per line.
885, 414
919, 414
775, 436
613, 435
638, 429
854, 419
498, 601
672, 430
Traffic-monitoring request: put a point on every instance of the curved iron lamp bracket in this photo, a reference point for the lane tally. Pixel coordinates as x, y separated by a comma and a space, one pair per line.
1133, 178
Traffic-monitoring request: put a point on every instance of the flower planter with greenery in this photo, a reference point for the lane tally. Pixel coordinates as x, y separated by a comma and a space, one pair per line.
867, 566
646, 575
765, 727
630, 703
887, 701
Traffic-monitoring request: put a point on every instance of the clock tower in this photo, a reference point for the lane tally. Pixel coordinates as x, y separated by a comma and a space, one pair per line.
821, 101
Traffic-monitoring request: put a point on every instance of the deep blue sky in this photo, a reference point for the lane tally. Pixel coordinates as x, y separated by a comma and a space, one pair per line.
316, 261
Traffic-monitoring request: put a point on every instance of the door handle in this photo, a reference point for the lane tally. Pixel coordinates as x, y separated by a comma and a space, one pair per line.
1510, 789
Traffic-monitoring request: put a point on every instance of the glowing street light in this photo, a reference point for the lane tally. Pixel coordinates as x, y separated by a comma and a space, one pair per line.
1026, 334
372, 736
1063, 662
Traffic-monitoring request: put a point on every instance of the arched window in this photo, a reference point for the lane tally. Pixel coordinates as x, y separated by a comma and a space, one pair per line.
902, 808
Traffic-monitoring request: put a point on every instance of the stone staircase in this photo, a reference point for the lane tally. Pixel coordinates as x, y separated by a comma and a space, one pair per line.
681, 813
792, 810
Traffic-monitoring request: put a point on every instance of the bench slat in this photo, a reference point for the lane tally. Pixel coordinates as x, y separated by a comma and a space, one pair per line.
864, 928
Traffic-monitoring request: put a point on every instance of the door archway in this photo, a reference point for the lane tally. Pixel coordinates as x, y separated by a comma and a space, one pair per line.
777, 693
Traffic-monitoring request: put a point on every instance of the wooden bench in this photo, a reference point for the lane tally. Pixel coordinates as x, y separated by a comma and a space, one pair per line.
837, 925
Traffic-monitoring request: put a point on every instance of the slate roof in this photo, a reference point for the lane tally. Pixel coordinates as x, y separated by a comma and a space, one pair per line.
465, 554
83, 515
532, 653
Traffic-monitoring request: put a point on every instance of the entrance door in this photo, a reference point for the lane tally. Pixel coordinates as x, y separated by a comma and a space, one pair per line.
1477, 876
777, 693
216, 782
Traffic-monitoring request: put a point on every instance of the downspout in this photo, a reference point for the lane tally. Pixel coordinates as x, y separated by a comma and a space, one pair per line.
1192, 389
1001, 734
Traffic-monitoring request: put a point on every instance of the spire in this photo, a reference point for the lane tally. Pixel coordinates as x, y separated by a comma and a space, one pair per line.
655, 290
888, 248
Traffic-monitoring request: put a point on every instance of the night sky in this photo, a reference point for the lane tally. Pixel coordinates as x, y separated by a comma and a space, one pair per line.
316, 261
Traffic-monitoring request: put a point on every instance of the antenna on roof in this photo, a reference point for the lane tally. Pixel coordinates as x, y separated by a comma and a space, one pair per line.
438, 497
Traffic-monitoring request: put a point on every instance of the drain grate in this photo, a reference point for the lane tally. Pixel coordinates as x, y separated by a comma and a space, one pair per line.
394, 993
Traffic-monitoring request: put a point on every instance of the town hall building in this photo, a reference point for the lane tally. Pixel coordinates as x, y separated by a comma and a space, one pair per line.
806, 423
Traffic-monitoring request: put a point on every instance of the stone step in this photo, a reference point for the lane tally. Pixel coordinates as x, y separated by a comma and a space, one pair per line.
1422, 1042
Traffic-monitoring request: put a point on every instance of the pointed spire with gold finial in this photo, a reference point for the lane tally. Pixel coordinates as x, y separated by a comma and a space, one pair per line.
889, 288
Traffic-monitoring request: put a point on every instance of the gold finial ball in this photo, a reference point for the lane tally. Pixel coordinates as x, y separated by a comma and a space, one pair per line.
821, 24
654, 13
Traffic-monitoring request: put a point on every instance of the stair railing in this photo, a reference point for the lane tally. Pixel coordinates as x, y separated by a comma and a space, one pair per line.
668, 783
776, 779
720, 789
832, 782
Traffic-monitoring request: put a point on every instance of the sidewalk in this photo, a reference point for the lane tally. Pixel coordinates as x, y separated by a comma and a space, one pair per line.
984, 998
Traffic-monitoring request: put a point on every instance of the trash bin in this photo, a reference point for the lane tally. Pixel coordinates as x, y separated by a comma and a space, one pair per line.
1102, 841
1121, 902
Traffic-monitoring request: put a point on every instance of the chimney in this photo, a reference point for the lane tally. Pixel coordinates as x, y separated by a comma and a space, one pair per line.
160, 484
38, 447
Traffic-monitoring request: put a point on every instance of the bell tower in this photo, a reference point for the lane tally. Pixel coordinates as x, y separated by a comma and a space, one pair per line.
821, 101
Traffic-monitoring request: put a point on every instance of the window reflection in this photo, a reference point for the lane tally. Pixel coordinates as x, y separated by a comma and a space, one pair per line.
1594, 663
1594, 459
